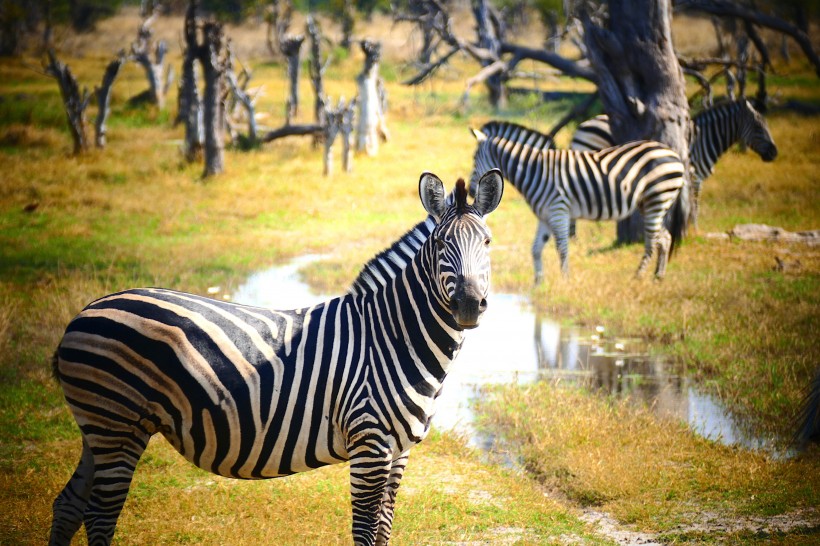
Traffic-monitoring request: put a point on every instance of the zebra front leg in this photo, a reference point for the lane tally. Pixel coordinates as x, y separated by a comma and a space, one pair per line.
369, 473
389, 499
649, 249
70, 504
542, 235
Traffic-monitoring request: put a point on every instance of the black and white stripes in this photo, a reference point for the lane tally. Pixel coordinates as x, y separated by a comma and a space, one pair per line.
716, 130
560, 185
254, 393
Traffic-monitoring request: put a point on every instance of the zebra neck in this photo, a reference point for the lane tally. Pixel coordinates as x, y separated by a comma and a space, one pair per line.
717, 130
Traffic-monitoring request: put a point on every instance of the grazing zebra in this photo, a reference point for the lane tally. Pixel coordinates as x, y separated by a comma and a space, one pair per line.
716, 130
560, 185
252, 393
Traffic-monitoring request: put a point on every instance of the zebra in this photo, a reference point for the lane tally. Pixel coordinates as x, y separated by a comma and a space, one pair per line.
716, 130
560, 185
252, 393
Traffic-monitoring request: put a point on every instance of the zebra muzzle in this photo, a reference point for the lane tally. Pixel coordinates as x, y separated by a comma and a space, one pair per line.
467, 303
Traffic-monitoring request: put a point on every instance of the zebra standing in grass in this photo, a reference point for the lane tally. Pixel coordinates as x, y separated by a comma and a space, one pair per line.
252, 393
716, 130
560, 185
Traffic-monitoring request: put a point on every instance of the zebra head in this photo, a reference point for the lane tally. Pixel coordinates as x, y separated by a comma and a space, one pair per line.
458, 247
755, 133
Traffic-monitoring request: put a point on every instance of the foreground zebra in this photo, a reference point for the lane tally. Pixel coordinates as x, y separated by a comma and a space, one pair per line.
560, 185
716, 130
253, 393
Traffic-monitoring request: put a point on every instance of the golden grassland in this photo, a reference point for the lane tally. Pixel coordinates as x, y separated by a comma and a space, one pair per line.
136, 214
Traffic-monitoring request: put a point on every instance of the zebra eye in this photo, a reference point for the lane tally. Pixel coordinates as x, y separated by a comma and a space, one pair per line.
440, 243
487, 241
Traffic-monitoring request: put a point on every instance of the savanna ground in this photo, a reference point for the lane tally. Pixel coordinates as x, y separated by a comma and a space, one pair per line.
135, 214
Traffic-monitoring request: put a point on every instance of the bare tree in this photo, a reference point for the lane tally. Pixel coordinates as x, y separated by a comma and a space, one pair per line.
74, 101
278, 18
160, 76
348, 23
210, 55
189, 101
372, 125
339, 121
317, 71
103, 95
290, 47
242, 100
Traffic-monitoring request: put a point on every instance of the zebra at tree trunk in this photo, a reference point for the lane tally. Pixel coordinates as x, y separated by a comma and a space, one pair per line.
372, 125
252, 393
640, 81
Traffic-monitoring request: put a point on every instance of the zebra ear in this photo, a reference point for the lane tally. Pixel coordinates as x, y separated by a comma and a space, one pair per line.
479, 136
488, 191
431, 191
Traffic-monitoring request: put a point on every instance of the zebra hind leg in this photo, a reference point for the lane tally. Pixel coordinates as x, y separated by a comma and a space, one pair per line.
664, 243
542, 235
69, 506
115, 457
389, 500
649, 250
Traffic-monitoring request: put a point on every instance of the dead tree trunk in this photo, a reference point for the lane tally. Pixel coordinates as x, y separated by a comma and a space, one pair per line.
103, 94
372, 126
290, 47
242, 99
490, 35
640, 82
190, 104
339, 120
348, 23
317, 70
278, 19
213, 67
159, 75
75, 102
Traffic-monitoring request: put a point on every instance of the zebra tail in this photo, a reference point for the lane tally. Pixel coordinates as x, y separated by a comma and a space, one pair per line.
808, 420
679, 219
54, 371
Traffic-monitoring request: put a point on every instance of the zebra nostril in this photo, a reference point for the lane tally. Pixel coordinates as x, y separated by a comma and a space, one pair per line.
453, 305
482, 306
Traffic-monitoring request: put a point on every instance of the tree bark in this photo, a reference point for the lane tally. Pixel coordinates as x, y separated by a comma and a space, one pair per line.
640, 82
74, 101
210, 55
490, 36
290, 46
371, 124
317, 70
190, 103
103, 94
159, 75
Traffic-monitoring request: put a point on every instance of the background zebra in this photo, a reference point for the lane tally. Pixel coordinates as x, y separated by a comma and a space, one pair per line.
560, 185
253, 393
716, 130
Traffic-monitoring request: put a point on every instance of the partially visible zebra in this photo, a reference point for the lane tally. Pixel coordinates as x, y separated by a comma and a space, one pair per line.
253, 393
716, 130
560, 185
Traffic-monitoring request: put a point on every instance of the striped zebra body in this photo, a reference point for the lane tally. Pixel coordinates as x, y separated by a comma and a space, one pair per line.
253, 393
716, 130
561, 185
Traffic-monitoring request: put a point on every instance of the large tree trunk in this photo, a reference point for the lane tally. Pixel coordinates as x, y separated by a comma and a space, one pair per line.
103, 94
190, 104
371, 121
74, 100
210, 55
640, 81
290, 47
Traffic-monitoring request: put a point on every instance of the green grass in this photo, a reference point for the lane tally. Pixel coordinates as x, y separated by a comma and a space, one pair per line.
136, 214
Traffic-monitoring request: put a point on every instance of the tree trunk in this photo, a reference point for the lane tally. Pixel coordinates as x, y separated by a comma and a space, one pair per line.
75, 102
317, 74
490, 36
103, 94
290, 46
190, 104
371, 123
210, 55
640, 81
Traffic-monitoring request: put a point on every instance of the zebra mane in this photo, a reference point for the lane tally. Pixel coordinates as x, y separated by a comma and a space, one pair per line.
516, 132
461, 196
388, 263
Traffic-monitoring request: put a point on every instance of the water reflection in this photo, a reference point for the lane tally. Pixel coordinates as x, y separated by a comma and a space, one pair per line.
516, 345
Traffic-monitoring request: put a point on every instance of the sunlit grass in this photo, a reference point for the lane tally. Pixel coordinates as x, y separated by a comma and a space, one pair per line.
135, 214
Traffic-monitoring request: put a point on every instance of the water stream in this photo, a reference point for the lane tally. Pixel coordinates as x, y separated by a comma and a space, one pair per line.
515, 345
